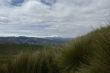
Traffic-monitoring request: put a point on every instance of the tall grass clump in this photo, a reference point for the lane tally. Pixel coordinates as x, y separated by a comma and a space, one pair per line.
75, 55
39, 62
101, 61
87, 54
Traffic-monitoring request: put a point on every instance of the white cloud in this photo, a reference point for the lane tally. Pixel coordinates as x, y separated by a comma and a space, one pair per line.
68, 18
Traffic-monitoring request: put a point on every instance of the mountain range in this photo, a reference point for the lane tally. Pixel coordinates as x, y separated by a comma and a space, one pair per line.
33, 40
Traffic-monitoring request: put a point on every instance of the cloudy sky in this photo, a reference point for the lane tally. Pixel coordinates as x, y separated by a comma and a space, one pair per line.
40, 18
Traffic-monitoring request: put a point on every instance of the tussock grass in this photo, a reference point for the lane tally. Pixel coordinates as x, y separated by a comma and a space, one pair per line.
39, 62
87, 54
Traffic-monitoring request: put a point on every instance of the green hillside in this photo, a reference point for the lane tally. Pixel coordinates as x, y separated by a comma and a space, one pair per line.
9, 51
86, 54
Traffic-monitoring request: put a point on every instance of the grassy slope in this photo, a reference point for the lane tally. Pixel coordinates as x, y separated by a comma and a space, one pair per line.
87, 54
8, 51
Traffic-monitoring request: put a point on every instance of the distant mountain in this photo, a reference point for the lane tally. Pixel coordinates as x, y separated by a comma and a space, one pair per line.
33, 40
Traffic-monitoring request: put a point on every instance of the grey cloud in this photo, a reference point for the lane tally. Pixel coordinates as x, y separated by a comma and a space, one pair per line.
67, 18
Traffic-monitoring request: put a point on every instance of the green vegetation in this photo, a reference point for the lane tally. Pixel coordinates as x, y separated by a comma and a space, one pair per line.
9, 51
86, 54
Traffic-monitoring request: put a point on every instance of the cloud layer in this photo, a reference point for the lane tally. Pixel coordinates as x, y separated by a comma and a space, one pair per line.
67, 18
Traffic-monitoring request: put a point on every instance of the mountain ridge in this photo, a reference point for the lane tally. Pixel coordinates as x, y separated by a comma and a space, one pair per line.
33, 40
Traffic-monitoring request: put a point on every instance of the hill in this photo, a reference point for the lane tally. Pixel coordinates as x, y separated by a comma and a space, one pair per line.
11, 46
86, 54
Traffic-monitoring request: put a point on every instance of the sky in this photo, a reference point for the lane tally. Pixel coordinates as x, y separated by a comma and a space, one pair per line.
62, 18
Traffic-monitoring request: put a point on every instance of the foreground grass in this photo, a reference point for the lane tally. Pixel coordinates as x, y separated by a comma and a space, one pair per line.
39, 62
9, 51
87, 54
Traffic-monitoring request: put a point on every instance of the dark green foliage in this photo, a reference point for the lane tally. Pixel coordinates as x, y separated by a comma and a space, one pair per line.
87, 54
74, 56
39, 62
101, 61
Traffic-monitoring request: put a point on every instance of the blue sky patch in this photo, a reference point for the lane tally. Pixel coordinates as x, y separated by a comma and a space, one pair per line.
17, 2
48, 2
